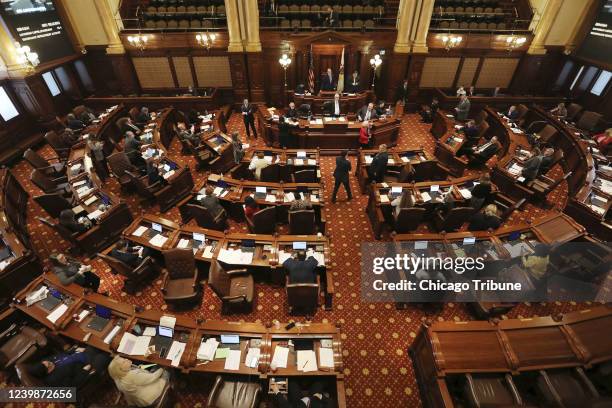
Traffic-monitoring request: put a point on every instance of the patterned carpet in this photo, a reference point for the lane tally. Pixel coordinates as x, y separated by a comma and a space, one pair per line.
376, 336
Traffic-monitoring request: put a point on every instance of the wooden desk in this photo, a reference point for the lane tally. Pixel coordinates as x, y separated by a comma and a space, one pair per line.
141, 231
349, 103
289, 161
448, 142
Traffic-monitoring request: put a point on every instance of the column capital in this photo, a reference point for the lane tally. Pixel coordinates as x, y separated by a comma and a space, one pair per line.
543, 28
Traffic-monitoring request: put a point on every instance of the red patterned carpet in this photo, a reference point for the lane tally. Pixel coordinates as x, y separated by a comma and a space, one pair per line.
376, 336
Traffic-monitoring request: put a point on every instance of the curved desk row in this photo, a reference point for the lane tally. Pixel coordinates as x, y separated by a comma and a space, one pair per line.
127, 321
348, 102
288, 161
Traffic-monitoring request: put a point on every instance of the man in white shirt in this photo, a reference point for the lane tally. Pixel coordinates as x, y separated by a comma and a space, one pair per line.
367, 113
259, 162
337, 105
461, 91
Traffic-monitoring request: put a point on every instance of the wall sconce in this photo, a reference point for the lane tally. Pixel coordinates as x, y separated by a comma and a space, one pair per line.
285, 62
451, 41
26, 57
138, 41
375, 63
514, 42
206, 40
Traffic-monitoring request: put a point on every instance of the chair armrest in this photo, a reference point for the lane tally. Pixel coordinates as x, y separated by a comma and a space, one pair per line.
165, 281
236, 272
551, 389
585, 380
194, 282
515, 394
214, 391
234, 299
143, 266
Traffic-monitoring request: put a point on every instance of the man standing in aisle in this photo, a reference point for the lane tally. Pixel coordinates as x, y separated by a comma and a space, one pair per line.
341, 175
248, 117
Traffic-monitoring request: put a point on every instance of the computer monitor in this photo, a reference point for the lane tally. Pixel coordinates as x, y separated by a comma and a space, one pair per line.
396, 190
105, 199
165, 331
260, 190
103, 312
299, 246
248, 243
469, 240
199, 237
514, 236
156, 227
222, 184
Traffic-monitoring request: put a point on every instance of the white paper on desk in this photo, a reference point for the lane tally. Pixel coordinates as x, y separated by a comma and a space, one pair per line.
271, 198
217, 190
91, 200
312, 162
150, 331
168, 174
449, 116
326, 357
139, 231
83, 191
176, 352
37, 296
57, 313
232, 361
368, 159
252, 357
208, 252
390, 161
75, 167
405, 159
520, 179
79, 183
95, 214
314, 198
283, 256
465, 193
167, 321
110, 336
434, 188
458, 139
235, 257
306, 360
425, 196
384, 198
298, 162
279, 360
316, 255
159, 240
141, 346
183, 243
126, 345
289, 197
207, 349
342, 119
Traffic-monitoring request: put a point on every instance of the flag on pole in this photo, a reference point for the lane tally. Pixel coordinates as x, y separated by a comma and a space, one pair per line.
311, 77
340, 86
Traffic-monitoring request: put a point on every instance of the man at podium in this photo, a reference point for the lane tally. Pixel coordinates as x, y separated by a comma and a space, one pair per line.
327, 81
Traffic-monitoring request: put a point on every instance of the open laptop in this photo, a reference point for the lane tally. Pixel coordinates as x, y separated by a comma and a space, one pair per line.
260, 193
231, 341
101, 319
198, 239
155, 229
163, 340
248, 245
299, 246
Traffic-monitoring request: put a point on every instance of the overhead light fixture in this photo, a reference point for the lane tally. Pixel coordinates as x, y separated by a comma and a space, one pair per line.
375, 62
513, 42
206, 40
451, 41
285, 61
139, 41
26, 57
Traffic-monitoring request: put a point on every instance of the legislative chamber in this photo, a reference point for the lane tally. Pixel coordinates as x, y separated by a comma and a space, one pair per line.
299, 204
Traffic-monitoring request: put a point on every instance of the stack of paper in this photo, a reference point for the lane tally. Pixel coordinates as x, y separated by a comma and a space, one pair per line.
314, 198
168, 174
158, 240
37, 295
306, 360
134, 345
232, 361
57, 313
405, 159
425, 196
384, 198
252, 357
110, 336
176, 351
91, 200
139, 231
368, 159
279, 360
183, 243
79, 183
326, 357
390, 161
465, 193
94, 215
289, 197
298, 162
283, 256
312, 162
208, 251
207, 349
271, 198
235, 257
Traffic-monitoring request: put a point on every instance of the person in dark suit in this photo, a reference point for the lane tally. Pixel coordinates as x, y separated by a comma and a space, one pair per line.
67, 219
547, 161
127, 254
186, 134
481, 192
73, 123
314, 397
484, 152
212, 204
333, 107
341, 175
470, 130
129, 126
132, 149
87, 116
248, 117
367, 112
485, 219
143, 116
71, 369
381, 109
327, 81
532, 165
463, 108
331, 17
402, 92
72, 271
378, 167
513, 113
69, 137
292, 112
300, 269
284, 132
428, 112
353, 83
153, 175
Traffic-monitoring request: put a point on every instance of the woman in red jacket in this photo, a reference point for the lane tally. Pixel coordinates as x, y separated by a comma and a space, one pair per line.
364, 135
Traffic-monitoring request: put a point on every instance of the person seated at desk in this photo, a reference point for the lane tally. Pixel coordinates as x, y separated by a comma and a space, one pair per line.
211, 202
378, 167
512, 113
532, 165
130, 255
250, 207
132, 149
536, 264
485, 219
301, 204
186, 134
69, 137
461, 91
300, 269
353, 84
547, 161
72, 271
153, 173
559, 111
284, 131
367, 112
428, 112
462, 109
296, 397
193, 117
87, 116
365, 134
257, 163
327, 81
139, 387
68, 220
73, 123
484, 152
381, 109
470, 130
481, 192
604, 140
405, 200
446, 204
292, 112
69, 369
237, 149
143, 116
129, 126
401, 94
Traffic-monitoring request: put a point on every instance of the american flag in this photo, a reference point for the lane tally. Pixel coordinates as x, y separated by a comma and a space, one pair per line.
311, 77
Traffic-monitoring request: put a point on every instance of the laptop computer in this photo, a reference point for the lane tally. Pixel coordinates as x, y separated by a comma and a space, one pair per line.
248, 245
299, 246
101, 319
155, 229
198, 239
163, 340
260, 193
231, 341
49, 303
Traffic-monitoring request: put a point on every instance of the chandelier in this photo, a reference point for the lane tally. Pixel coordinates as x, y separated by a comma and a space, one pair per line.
139, 41
26, 57
206, 40
514, 42
375, 63
451, 41
285, 61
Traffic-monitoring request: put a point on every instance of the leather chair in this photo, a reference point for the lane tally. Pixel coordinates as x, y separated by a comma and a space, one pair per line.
506, 208
572, 111
543, 186
19, 344
205, 219
302, 222
53, 170
270, 174
59, 147
263, 222
134, 277
491, 391
149, 193
522, 110
408, 219
305, 176
120, 164
53, 203
405, 175
454, 219
202, 156
180, 285
47, 184
481, 117
569, 388
235, 288
482, 129
589, 121
234, 392
546, 134
71, 237
556, 158
303, 297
